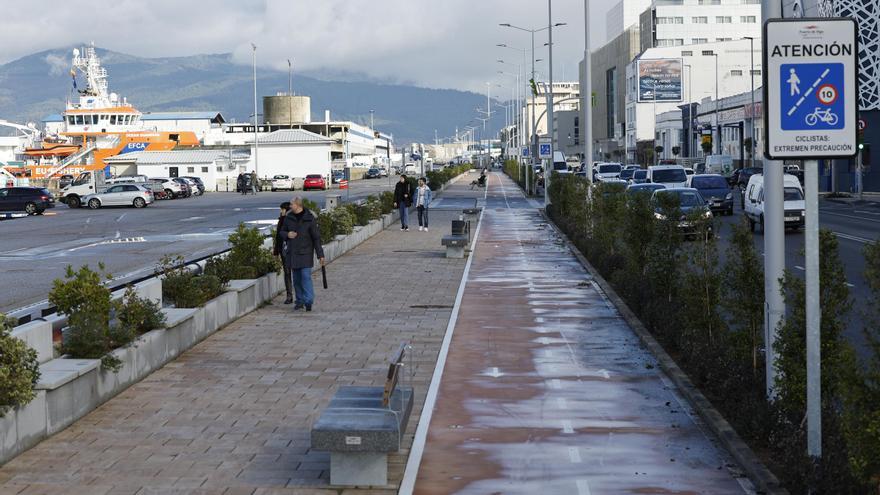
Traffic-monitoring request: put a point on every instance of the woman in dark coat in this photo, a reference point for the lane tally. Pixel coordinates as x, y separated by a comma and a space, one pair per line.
300, 229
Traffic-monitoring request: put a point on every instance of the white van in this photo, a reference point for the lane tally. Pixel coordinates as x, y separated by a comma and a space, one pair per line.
794, 202
719, 164
669, 176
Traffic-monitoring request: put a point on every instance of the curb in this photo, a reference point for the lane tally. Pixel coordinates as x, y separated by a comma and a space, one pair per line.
764, 480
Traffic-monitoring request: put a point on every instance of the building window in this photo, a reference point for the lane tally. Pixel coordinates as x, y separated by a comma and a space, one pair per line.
190, 170
699, 41
687, 53
710, 2
204, 170
700, 20
736, 72
723, 39
748, 19
756, 72
724, 19
665, 42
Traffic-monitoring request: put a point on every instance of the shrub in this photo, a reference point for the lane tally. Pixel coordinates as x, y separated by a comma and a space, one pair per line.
386, 202
246, 259
85, 300
744, 299
19, 369
183, 288
136, 314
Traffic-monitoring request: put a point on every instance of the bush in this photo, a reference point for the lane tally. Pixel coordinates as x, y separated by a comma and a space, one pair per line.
85, 300
386, 202
136, 314
19, 369
183, 288
338, 221
246, 259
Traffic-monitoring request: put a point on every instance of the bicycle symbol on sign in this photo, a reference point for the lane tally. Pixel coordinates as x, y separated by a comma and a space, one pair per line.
819, 115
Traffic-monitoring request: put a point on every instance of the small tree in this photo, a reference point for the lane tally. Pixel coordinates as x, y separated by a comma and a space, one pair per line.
744, 299
676, 150
19, 368
747, 144
659, 150
707, 147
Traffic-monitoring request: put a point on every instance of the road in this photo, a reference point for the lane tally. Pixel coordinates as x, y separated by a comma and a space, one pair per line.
855, 226
35, 250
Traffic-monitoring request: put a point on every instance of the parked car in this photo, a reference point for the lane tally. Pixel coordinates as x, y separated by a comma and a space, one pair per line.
282, 182
197, 181
373, 173
794, 202
689, 172
337, 176
690, 202
31, 200
187, 189
172, 188
626, 174
671, 176
607, 171
715, 191
64, 181
644, 188
120, 195
639, 177
157, 190
383, 171
314, 181
741, 179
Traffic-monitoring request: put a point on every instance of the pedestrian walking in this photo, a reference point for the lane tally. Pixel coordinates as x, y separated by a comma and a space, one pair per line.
423, 197
280, 249
254, 182
300, 228
241, 184
403, 197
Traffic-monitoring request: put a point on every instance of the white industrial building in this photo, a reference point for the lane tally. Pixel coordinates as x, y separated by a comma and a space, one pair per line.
292, 152
215, 167
623, 15
697, 80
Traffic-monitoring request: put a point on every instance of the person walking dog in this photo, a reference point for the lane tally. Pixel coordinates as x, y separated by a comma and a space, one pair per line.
403, 197
300, 228
280, 249
423, 197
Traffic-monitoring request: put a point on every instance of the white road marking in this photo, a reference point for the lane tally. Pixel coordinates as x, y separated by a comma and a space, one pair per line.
868, 212
555, 384
566, 427
800, 268
583, 487
574, 454
852, 237
121, 217
562, 403
605, 374
494, 372
191, 219
118, 235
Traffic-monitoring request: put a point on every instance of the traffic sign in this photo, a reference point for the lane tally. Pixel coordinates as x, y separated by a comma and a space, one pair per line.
544, 150
863, 124
525, 151
810, 86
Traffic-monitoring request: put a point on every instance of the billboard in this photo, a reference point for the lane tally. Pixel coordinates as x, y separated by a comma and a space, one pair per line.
660, 80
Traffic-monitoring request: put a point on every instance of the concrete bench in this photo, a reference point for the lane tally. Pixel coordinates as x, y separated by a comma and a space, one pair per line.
455, 245
361, 425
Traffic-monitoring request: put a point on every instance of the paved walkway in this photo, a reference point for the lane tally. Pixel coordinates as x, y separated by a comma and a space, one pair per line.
546, 390
232, 415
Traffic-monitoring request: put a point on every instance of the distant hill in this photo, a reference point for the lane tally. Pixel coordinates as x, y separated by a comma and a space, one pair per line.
37, 85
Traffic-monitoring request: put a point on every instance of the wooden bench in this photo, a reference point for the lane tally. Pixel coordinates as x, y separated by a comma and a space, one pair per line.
361, 425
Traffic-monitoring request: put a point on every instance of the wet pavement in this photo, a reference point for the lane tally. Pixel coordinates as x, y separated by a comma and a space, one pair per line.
545, 387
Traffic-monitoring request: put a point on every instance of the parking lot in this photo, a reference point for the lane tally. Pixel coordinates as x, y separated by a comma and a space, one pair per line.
35, 250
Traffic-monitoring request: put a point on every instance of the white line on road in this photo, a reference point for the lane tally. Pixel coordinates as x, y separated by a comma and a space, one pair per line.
800, 268
583, 487
562, 403
574, 454
192, 219
566, 427
868, 212
853, 237
118, 235
555, 384
120, 217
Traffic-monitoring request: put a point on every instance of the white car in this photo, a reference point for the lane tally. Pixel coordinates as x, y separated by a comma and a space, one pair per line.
605, 172
282, 182
173, 189
120, 195
671, 176
794, 202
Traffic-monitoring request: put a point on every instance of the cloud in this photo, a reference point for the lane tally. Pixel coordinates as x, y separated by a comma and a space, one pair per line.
445, 44
57, 65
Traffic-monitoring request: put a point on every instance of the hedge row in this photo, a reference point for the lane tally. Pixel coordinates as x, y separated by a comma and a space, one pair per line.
709, 316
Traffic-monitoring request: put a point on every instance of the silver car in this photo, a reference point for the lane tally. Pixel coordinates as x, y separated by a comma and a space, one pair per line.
120, 195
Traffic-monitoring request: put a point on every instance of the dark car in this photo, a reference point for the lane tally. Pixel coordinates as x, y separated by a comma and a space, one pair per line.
187, 190
690, 202
199, 183
627, 174
715, 191
31, 200
648, 188
373, 173
741, 178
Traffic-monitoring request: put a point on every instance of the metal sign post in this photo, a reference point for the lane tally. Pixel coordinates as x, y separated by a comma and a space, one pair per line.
811, 95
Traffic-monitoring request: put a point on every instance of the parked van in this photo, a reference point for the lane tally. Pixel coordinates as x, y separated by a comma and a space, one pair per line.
794, 202
670, 176
719, 164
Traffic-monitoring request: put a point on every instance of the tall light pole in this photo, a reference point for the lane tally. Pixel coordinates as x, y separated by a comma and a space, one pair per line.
716, 128
521, 105
587, 95
289, 93
551, 125
371, 121
256, 117
690, 134
752, 118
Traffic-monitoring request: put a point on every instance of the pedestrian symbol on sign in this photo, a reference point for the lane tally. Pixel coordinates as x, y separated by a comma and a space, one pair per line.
544, 150
818, 106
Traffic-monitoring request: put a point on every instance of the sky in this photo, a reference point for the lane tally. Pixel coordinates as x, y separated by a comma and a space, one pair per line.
428, 43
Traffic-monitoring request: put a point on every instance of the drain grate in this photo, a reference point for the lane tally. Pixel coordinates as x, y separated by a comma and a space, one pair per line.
431, 306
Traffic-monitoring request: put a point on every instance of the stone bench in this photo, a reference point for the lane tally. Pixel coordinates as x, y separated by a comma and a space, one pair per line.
455, 245
361, 425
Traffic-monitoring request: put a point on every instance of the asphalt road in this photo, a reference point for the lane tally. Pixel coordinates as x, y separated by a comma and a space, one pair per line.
855, 226
35, 250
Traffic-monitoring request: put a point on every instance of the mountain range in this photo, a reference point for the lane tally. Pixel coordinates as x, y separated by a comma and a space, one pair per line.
39, 84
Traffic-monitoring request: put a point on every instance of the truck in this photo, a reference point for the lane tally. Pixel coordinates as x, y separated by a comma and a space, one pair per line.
719, 164
88, 182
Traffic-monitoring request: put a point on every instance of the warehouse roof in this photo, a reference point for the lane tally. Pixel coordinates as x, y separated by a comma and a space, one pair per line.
294, 136
180, 156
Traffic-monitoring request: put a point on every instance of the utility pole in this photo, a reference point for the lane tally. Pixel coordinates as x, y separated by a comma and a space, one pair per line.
774, 241
256, 116
551, 126
587, 96
289, 93
752, 79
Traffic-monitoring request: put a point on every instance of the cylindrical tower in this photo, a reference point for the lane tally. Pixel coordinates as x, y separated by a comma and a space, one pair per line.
285, 109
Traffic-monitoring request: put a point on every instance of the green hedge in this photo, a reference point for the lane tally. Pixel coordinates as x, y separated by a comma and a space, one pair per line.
19, 368
246, 259
709, 316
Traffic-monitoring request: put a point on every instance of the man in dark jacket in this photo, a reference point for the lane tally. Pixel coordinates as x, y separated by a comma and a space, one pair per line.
403, 200
280, 249
240, 184
300, 228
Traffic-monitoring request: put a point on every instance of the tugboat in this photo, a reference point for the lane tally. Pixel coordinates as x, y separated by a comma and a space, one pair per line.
96, 125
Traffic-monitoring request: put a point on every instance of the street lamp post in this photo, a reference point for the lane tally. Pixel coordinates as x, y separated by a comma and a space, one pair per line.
587, 95
256, 118
289, 93
690, 134
752, 118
